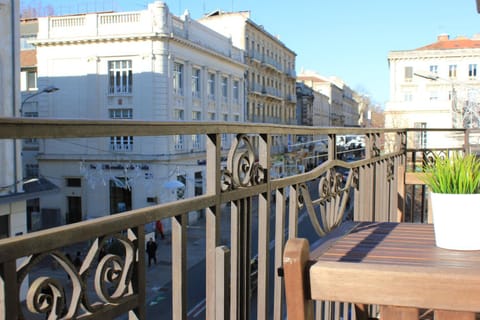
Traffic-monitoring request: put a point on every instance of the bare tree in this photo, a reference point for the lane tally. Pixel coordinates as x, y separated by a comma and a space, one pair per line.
34, 9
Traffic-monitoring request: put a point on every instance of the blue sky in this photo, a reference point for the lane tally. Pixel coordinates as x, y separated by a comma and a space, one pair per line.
349, 39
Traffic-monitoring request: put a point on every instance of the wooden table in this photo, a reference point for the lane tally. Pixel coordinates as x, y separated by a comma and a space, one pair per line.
394, 265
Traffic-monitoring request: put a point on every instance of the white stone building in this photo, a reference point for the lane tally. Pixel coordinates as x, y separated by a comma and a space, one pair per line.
271, 67
428, 84
145, 65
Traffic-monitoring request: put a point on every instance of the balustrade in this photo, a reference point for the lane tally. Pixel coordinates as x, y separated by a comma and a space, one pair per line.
265, 204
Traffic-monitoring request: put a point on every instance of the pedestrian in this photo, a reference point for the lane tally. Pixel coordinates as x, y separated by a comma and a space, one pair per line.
78, 260
159, 227
151, 251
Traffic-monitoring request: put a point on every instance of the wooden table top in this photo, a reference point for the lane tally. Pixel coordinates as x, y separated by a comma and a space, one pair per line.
396, 264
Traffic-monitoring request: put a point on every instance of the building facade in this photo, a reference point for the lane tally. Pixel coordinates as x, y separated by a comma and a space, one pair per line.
313, 107
145, 65
435, 86
343, 107
270, 78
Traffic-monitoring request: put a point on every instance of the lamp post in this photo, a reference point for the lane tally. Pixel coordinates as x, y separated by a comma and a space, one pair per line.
455, 111
48, 89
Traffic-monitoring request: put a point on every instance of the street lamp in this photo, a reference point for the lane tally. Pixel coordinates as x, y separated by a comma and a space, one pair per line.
435, 77
48, 89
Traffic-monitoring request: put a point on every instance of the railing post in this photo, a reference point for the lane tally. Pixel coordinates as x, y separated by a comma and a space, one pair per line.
9, 302
223, 283
264, 201
332, 146
139, 279
240, 258
179, 267
280, 211
213, 214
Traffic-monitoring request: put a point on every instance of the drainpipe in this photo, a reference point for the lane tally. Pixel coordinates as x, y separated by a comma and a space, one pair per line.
15, 43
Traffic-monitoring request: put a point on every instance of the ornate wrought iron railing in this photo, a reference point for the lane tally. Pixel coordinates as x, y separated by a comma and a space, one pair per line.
327, 184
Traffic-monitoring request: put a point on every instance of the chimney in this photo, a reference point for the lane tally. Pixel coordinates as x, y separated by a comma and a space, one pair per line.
443, 37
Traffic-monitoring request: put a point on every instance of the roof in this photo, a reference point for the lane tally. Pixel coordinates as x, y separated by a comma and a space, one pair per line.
458, 43
32, 188
311, 78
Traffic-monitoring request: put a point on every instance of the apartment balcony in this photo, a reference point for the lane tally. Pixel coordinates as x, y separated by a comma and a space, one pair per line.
254, 200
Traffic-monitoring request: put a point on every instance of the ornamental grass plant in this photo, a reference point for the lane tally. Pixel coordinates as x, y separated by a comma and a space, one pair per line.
457, 174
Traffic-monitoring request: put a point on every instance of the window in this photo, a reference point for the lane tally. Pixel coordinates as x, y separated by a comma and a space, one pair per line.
31, 80
126, 113
31, 170
407, 96
225, 117
120, 77
211, 116
121, 143
224, 88
434, 69
73, 182
178, 114
452, 71
211, 85
181, 191
421, 136
408, 73
4, 226
25, 42
236, 118
235, 90
196, 83
472, 71
196, 141
196, 115
178, 78
178, 142
30, 114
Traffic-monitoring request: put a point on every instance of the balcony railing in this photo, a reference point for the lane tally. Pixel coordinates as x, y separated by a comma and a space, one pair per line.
267, 197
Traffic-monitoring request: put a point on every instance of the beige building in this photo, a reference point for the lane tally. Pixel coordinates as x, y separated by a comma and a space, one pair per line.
313, 107
143, 65
435, 86
270, 77
343, 108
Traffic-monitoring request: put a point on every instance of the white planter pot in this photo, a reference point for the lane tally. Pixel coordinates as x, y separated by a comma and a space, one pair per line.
456, 220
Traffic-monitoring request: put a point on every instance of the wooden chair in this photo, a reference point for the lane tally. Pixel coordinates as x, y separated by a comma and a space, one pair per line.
296, 261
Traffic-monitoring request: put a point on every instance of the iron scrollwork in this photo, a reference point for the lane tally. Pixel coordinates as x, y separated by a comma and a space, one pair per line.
333, 198
66, 297
242, 168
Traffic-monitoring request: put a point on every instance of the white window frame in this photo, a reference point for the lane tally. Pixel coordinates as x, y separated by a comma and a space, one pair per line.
236, 90
178, 141
224, 85
120, 113
196, 76
121, 143
178, 69
120, 77
472, 71
196, 115
179, 114
452, 71
196, 138
211, 85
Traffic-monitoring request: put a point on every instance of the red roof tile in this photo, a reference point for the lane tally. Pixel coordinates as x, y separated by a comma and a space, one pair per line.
459, 43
